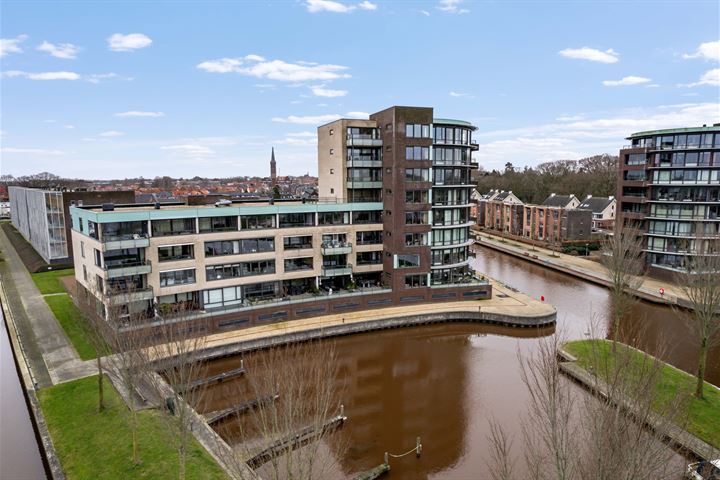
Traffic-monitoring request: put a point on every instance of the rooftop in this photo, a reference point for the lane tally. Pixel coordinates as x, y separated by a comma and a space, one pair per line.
596, 204
668, 131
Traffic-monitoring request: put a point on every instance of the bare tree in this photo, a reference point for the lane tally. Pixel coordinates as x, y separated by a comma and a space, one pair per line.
699, 282
568, 434
178, 355
289, 436
621, 256
129, 362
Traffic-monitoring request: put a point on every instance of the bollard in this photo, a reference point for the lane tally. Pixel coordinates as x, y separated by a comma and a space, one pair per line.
242, 363
386, 459
342, 410
418, 447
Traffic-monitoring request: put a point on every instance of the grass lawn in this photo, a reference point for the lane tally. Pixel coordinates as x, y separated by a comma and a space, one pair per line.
73, 323
99, 446
48, 282
704, 415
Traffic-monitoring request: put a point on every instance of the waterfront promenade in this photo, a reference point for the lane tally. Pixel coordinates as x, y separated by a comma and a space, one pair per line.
580, 267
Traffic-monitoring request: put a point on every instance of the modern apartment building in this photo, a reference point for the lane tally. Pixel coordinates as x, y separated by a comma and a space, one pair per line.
391, 227
669, 188
42, 217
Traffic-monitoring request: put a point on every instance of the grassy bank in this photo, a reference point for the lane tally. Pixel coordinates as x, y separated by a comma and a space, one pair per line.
98, 445
73, 324
49, 282
703, 417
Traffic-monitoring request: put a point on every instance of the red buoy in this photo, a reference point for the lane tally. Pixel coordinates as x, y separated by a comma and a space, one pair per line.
542, 298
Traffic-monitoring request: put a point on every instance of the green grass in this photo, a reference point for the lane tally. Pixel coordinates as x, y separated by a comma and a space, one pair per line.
73, 323
99, 445
49, 282
703, 415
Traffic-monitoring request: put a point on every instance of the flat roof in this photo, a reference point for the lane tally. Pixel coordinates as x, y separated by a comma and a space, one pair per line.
450, 121
668, 131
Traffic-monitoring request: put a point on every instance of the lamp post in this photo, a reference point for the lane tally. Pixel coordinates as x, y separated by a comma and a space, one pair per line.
586, 249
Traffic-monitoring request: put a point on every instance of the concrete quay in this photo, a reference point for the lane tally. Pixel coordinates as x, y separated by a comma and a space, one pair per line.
507, 307
579, 267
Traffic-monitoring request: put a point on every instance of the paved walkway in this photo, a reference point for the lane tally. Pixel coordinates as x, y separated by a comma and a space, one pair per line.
51, 356
505, 302
582, 267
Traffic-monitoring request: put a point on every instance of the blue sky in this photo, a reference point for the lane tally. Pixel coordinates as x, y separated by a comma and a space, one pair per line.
119, 89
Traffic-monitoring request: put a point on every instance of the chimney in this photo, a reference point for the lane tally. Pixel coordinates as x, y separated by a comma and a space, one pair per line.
611, 197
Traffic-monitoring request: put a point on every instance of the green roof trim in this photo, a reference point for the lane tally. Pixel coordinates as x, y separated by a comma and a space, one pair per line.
450, 121
668, 131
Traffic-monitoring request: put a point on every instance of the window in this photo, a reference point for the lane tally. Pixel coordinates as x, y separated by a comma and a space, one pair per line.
417, 175
332, 132
235, 270
369, 258
175, 226
218, 224
417, 153
98, 258
222, 297
293, 243
413, 281
364, 217
257, 222
368, 238
332, 151
85, 277
407, 260
333, 218
82, 249
416, 196
332, 171
414, 130
416, 218
636, 159
296, 264
99, 284
237, 247
177, 277
175, 252
415, 239
288, 220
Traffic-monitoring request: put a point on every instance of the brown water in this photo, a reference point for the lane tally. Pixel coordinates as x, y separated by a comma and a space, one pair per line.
445, 382
19, 454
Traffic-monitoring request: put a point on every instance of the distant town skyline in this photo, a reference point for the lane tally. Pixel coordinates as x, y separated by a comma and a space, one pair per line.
124, 89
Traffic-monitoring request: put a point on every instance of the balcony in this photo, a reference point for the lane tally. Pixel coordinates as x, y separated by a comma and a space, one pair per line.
336, 270
363, 141
364, 184
364, 162
128, 269
336, 248
137, 240
136, 295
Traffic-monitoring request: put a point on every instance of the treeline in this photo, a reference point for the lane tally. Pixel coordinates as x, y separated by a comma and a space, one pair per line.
596, 176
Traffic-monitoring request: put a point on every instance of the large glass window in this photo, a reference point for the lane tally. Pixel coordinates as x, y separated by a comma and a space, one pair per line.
297, 264
417, 175
256, 222
408, 260
417, 153
636, 159
368, 238
174, 226
288, 220
121, 230
333, 218
416, 239
177, 277
242, 269
237, 247
167, 253
416, 196
218, 224
364, 217
413, 281
369, 258
451, 156
416, 218
414, 130
295, 243
126, 257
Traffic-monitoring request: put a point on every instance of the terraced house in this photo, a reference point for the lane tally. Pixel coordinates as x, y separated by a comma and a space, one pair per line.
390, 227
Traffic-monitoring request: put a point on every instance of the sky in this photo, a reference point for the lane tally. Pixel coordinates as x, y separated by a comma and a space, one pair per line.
100, 89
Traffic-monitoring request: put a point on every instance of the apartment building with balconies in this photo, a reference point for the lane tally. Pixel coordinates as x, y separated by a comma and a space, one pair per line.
390, 227
669, 189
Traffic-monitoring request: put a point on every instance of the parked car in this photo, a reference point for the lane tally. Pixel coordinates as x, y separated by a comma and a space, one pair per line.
705, 470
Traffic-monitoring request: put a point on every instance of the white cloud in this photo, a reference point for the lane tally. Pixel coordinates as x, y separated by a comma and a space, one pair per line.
629, 80
569, 118
365, 5
358, 114
127, 43
69, 127
11, 45
135, 113
111, 133
452, 6
97, 77
425, 12
652, 85
711, 78
67, 51
191, 150
459, 94
589, 136
307, 120
319, 91
31, 151
42, 75
315, 6
256, 66
708, 51
591, 54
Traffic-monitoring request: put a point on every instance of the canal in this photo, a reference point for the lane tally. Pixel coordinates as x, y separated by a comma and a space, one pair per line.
445, 382
19, 454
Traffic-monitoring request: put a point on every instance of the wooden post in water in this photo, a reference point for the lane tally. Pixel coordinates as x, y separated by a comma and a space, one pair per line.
418, 447
387, 460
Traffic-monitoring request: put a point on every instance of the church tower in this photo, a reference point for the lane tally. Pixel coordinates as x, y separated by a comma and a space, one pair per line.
273, 168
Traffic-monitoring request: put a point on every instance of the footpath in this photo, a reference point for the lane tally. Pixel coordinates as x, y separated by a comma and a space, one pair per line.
589, 270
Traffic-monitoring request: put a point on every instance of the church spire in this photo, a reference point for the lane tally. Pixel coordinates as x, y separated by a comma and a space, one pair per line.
273, 167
